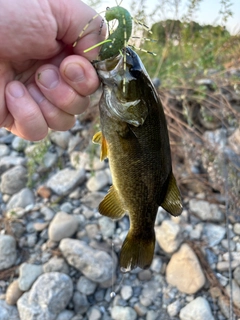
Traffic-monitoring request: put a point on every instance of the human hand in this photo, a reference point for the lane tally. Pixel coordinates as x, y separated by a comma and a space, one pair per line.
44, 81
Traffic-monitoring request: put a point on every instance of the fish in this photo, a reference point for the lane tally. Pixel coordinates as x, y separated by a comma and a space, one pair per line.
134, 138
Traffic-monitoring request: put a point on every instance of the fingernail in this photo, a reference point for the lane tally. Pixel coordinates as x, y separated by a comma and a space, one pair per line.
49, 78
16, 90
36, 94
74, 72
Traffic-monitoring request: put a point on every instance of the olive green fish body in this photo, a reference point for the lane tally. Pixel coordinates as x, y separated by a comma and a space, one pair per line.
135, 139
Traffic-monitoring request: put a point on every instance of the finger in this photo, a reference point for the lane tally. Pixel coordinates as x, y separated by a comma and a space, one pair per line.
79, 74
55, 118
28, 121
58, 92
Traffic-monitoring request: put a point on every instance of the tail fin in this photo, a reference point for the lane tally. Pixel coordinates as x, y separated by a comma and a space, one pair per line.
137, 252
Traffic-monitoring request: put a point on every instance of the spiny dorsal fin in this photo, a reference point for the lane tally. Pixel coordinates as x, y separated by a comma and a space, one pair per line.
172, 202
111, 205
98, 138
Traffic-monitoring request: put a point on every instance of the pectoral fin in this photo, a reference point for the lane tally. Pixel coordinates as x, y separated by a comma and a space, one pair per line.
111, 205
98, 138
172, 202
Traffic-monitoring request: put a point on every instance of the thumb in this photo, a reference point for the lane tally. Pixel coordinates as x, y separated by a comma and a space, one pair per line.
72, 16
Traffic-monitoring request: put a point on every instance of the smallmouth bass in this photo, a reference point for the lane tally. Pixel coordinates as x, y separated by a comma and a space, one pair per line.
135, 138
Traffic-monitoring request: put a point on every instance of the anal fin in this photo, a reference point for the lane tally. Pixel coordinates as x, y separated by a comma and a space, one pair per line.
172, 202
111, 205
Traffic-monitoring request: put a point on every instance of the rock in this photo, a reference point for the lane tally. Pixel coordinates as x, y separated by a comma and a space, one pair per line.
49, 160
44, 192
56, 264
93, 199
156, 265
184, 271
10, 161
4, 150
198, 309
49, 295
61, 138
22, 199
28, 274
140, 309
236, 275
150, 291
173, 308
98, 181
65, 315
13, 180
86, 286
40, 226
120, 313
126, 292
168, 236
235, 293
152, 315
85, 160
8, 253
94, 314
64, 181
8, 312
107, 227
62, 226
48, 213
224, 265
19, 144
236, 228
213, 234
97, 266
205, 211
13, 293
80, 302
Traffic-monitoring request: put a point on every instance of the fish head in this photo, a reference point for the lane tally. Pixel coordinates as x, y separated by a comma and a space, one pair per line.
123, 76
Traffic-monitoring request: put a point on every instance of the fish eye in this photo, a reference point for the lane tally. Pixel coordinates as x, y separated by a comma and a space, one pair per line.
135, 73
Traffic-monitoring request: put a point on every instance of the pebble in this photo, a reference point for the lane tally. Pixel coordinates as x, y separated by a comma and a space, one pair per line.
213, 234
168, 236
80, 302
107, 227
44, 192
61, 138
86, 286
62, 226
94, 314
236, 228
236, 275
22, 199
19, 144
65, 180
56, 264
8, 252
235, 293
96, 265
28, 273
65, 315
8, 312
98, 181
10, 161
126, 313
4, 150
126, 292
174, 308
224, 265
13, 293
49, 160
13, 180
140, 309
184, 271
198, 309
49, 295
206, 211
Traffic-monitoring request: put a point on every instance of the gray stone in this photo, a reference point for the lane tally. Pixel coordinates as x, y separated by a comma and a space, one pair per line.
67, 207
205, 211
235, 293
236, 275
61, 138
49, 296
8, 253
48, 213
93, 199
85, 160
8, 312
140, 309
184, 271
65, 315
126, 292
80, 302
213, 234
86, 286
98, 181
19, 144
198, 309
236, 228
107, 227
9, 161
13, 180
94, 314
156, 265
22, 199
168, 236
152, 315
64, 181
173, 308
96, 265
4, 150
49, 159
120, 313
56, 264
62, 226
28, 274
